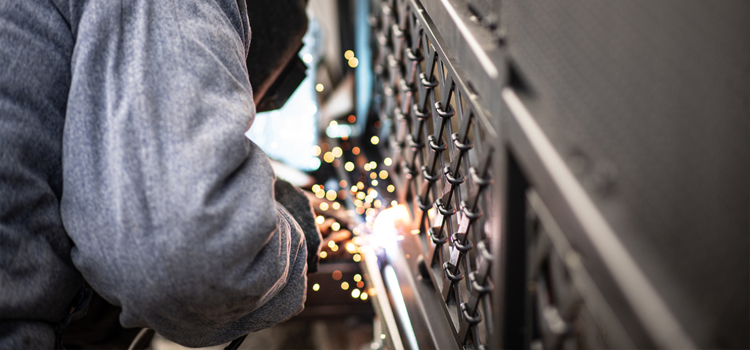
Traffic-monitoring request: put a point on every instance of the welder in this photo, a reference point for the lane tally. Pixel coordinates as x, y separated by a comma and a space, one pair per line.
126, 181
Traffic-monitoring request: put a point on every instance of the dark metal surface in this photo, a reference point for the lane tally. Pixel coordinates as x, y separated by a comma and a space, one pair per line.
647, 104
546, 238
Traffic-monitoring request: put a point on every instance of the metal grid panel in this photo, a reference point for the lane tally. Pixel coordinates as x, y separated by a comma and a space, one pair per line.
438, 140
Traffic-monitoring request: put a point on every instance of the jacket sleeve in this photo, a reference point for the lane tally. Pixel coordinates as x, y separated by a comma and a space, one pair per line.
170, 207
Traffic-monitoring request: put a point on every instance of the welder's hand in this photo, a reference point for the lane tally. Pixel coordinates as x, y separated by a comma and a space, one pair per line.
333, 224
298, 205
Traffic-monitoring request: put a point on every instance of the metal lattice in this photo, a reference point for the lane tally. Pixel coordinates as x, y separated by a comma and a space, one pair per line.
436, 138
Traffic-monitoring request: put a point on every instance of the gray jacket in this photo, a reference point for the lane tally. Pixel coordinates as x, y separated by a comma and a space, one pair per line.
123, 163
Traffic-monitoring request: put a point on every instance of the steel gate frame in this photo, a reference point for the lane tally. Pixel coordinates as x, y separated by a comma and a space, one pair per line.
509, 251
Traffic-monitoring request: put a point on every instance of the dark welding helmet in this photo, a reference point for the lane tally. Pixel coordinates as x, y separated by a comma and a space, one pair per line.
273, 62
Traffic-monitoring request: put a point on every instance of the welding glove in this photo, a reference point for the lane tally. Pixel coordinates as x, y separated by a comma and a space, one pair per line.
295, 201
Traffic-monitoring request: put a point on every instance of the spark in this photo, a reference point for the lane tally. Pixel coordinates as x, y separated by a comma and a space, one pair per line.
337, 152
315, 150
331, 195
350, 247
353, 62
